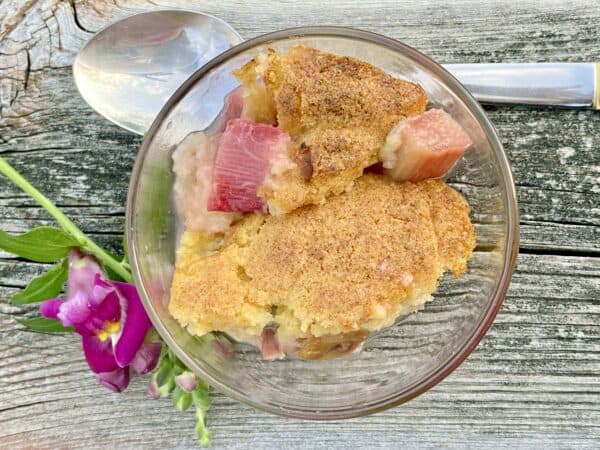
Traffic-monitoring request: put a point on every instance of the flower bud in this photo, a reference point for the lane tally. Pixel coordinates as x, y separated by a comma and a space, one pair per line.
186, 381
146, 358
164, 377
161, 383
153, 390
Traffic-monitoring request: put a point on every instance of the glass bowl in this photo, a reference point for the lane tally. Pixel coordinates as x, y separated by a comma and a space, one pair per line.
395, 364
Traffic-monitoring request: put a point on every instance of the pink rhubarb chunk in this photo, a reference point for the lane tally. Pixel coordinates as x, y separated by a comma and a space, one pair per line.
193, 162
425, 146
243, 161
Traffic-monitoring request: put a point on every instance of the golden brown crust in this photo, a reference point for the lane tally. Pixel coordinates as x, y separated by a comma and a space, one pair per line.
314, 89
338, 108
328, 269
456, 234
330, 272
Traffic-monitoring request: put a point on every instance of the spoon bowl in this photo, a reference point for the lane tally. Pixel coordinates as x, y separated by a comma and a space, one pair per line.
129, 70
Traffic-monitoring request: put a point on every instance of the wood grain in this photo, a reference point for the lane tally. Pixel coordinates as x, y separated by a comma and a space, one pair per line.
534, 380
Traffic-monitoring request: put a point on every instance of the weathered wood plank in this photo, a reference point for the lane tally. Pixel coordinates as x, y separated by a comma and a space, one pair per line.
550, 194
543, 351
534, 380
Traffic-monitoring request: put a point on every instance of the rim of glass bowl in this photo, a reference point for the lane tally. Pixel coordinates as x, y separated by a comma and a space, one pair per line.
509, 200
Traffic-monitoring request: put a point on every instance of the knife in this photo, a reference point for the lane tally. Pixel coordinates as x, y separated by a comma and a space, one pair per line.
567, 85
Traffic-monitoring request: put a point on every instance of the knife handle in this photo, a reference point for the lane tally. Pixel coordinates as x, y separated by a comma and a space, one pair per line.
568, 85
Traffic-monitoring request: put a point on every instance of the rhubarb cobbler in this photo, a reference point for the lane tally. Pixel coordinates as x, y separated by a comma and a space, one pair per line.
314, 209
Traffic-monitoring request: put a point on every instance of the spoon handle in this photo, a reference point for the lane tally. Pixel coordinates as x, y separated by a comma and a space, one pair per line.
568, 85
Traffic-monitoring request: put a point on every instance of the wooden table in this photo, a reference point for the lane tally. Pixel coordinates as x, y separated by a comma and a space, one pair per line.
534, 380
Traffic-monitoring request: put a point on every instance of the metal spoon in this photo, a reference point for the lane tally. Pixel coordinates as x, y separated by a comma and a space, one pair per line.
128, 70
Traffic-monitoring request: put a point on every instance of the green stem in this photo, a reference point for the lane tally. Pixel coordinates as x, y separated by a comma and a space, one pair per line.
84, 242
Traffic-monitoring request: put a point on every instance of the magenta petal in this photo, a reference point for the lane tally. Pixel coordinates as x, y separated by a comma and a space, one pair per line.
74, 311
117, 380
82, 271
99, 355
99, 290
104, 301
146, 358
91, 327
50, 308
135, 327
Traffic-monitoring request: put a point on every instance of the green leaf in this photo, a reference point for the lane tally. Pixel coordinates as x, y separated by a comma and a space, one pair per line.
43, 325
42, 244
181, 399
201, 398
47, 285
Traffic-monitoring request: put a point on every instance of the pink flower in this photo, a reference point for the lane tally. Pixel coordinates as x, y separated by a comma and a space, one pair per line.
111, 320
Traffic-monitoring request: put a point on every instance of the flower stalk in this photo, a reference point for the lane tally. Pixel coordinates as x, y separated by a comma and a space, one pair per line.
202, 403
116, 333
86, 244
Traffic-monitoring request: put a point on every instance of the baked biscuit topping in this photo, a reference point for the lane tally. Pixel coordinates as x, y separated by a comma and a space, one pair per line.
338, 109
350, 265
336, 253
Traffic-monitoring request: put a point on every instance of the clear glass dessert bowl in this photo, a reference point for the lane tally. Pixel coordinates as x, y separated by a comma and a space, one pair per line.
395, 364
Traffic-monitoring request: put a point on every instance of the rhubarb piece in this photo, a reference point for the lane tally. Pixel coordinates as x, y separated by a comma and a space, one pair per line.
242, 163
422, 147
